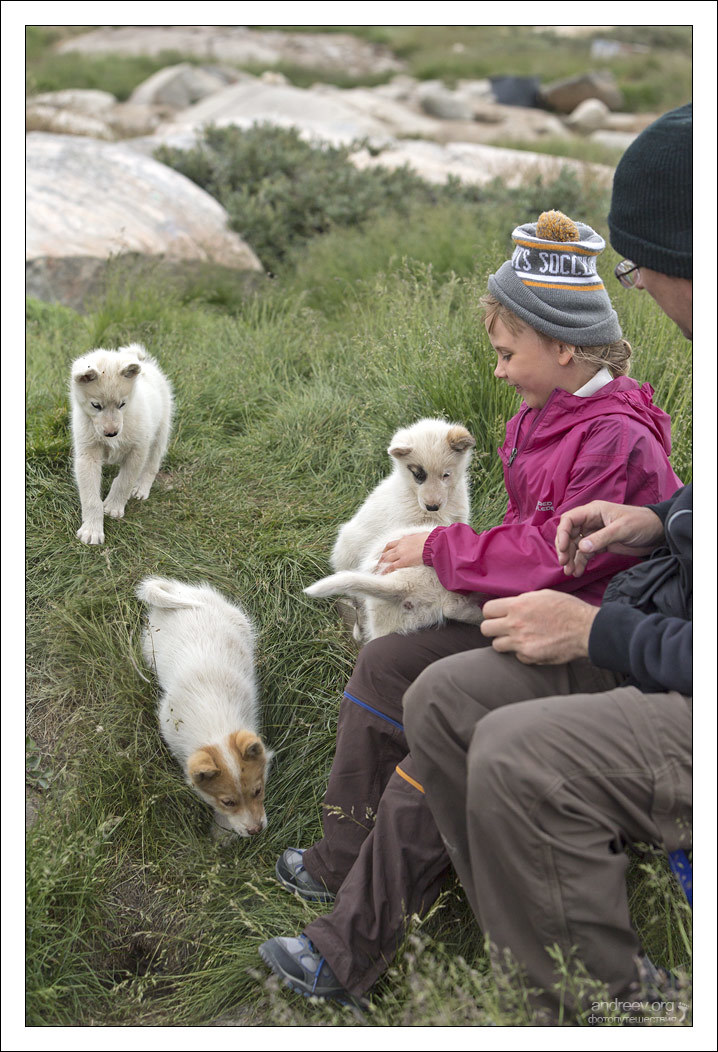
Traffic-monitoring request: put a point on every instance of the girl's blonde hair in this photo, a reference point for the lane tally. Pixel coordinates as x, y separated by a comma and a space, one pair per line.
615, 356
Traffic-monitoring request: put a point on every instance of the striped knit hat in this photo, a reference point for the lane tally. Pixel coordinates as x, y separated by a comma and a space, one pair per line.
551, 282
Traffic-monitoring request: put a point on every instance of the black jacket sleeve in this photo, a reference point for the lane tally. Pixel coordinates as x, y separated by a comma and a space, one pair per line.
649, 639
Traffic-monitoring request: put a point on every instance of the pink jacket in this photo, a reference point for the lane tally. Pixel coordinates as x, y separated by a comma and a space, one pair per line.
612, 446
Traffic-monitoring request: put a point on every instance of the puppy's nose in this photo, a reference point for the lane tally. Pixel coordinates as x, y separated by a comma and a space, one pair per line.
111, 434
254, 830
432, 507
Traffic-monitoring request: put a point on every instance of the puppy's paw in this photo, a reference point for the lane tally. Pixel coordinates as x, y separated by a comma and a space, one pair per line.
91, 533
113, 508
142, 489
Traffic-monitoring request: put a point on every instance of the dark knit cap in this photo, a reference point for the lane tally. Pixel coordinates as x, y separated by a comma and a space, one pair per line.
552, 284
651, 217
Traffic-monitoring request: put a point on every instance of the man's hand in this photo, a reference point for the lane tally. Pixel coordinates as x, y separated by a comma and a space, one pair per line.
541, 628
407, 551
604, 527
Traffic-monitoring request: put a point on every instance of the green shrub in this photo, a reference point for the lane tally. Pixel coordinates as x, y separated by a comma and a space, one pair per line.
281, 192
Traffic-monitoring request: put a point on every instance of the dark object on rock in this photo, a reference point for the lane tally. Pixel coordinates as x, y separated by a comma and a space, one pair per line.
516, 91
563, 96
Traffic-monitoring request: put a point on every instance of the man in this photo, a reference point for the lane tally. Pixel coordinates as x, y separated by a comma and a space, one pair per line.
544, 756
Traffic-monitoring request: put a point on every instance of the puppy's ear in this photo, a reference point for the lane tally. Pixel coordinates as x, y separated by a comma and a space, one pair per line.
201, 767
399, 452
460, 439
86, 378
248, 745
130, 370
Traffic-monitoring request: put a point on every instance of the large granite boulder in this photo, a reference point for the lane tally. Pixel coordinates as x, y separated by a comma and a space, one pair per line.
88, 201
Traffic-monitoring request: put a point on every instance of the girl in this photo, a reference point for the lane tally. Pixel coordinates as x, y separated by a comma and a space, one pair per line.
584, 431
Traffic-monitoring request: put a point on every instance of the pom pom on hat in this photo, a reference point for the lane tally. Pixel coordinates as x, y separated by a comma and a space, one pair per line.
555, 226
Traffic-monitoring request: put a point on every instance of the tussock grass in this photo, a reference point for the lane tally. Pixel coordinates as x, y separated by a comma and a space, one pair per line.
286, 401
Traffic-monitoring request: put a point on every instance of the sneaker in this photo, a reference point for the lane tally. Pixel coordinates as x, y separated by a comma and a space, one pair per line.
299, 964
292, 875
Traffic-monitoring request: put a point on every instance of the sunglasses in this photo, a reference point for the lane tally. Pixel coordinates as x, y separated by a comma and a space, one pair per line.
628, 273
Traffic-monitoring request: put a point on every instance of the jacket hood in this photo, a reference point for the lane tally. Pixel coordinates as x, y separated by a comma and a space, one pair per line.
623, 396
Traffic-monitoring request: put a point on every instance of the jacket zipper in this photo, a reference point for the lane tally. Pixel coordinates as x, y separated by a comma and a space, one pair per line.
515, 450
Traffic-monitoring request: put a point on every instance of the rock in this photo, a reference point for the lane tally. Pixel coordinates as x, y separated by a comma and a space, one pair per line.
65, 122
402, 87
319, 116
271, 76
447, 105
477, 164
240, 45
476, 89
515, 91
90, 102
88, 200
605, 49
518, 123
616, 140
565, 95
629, 122
128, 119
588, 116
32, 804
397, 118
182, 85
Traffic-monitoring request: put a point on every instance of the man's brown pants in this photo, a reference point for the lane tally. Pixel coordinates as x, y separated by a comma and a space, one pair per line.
381, 849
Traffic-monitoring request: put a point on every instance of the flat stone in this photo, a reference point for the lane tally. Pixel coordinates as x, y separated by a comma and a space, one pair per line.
43, 118
324, 117
79, 100
476, 163
241, 45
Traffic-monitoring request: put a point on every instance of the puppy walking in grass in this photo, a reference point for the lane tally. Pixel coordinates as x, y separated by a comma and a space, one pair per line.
201, 647
121, 414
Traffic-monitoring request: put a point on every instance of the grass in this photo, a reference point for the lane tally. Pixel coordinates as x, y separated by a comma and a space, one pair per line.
285, 401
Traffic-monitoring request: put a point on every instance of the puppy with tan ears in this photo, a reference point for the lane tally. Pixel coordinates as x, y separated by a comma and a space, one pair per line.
201, 647
121, 414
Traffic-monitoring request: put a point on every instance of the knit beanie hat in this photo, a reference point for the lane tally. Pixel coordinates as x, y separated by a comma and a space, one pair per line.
651, 217
552, 284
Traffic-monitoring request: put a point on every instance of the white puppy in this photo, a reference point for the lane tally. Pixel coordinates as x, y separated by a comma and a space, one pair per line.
402, 601
201, 647
121, 414
427, 488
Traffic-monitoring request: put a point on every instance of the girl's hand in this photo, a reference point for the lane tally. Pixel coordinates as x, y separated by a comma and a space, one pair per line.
407, 551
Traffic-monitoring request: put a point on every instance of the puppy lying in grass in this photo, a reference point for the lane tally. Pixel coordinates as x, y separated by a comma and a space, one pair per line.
121, 414
428, 487
201, 647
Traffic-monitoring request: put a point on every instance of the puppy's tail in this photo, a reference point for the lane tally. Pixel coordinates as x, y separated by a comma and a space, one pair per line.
166, 593
359, 586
